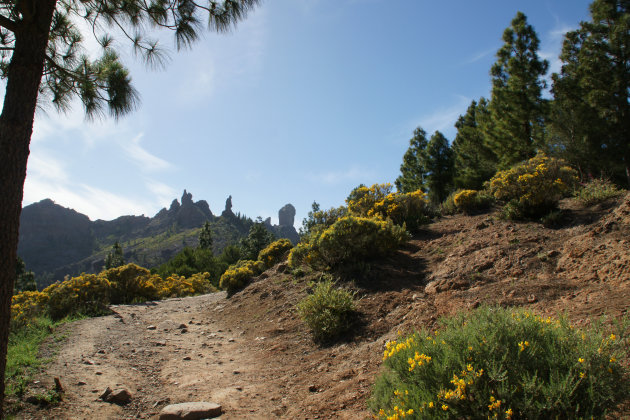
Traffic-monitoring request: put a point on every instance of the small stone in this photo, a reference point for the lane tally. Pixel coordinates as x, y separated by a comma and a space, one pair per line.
182, 326
119, 396
231, 340
81, 383
151, 327
532, 299
98, 373
187, 358
190, 411
312, 388
160, 343
183, 331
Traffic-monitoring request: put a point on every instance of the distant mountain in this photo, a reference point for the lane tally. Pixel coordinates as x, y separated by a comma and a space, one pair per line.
56, 241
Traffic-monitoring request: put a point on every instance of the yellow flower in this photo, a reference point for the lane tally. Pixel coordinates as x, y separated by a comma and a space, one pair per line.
430, 404
582, 374
509, 413
580, 360
444, 407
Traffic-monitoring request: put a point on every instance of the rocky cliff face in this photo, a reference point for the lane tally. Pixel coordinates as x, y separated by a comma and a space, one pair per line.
51, 235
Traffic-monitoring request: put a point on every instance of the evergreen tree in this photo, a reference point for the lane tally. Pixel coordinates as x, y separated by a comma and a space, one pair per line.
517, 108
412, 171
257, 239
115, 258
591, 110
42, 59
205, 237
439, 165
24, 280
474, 161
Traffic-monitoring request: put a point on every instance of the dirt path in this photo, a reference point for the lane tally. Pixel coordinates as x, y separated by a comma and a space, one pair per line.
162, 352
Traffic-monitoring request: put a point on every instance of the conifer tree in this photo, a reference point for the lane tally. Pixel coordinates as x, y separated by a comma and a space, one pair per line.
42, 58
516, 107
205, 237
115, 258
474, 161
591, 110
438, 162
25, 279
412, 170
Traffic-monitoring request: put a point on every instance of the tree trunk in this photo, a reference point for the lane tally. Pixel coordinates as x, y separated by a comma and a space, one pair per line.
16, 127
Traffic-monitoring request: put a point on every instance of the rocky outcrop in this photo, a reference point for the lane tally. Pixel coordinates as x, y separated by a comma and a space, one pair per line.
286, 215
285, 228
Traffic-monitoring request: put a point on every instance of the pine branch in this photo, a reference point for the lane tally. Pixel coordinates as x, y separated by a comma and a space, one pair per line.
7, 23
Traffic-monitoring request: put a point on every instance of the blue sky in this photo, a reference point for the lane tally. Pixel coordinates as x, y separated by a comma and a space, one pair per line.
305, 100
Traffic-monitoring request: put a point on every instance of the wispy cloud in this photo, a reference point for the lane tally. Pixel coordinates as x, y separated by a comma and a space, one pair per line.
47, 178
480, 56
443, 119
147, 161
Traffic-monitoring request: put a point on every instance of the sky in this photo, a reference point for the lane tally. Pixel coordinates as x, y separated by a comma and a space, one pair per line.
302, 102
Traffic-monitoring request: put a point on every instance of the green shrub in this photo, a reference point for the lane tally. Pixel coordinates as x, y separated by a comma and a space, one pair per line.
329, 311
237, 275
466, 201
321, 219
348, 241
596, 191
497, 363
275, 252
534, 187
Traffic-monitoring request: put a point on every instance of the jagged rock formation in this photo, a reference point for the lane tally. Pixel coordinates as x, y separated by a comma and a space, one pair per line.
55, 241
286, 215
285, 228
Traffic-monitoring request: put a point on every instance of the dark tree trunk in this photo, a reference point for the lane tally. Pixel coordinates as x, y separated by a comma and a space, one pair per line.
16, 127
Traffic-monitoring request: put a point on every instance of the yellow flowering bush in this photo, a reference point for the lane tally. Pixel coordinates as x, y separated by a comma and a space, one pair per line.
131, 283
503, 364
349, 240
409, 209
27, 305
237, 275
87, 294
90, 294
534, 187
275, 252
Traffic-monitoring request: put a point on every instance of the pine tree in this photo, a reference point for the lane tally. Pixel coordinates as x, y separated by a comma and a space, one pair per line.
205, 237
25, 279
115, 258
438, 162
41, 58
257, 239
591, 110
412, 171
474, 161
517, 108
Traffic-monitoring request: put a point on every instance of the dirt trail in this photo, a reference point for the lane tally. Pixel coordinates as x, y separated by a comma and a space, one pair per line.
251, 353
162, 352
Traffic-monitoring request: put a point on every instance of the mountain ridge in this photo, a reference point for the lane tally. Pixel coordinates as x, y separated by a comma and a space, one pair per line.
56, 241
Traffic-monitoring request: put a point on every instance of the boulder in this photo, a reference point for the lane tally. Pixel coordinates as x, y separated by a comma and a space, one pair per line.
190, 411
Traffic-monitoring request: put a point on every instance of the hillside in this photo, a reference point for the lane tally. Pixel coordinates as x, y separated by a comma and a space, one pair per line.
252, 355
56, 241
